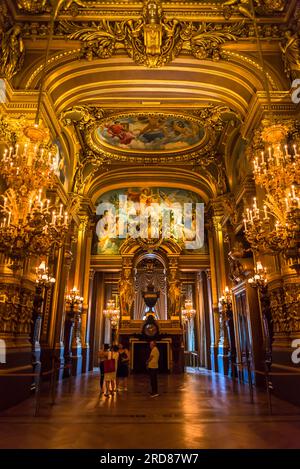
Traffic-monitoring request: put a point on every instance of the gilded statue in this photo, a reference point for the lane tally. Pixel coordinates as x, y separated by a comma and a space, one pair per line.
244, 7
12, 52
126, 292
290, 49
40, 6
174, 295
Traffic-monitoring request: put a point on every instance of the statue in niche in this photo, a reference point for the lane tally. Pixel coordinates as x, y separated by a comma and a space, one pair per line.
290, 49
12, 51
126, 292
174, 295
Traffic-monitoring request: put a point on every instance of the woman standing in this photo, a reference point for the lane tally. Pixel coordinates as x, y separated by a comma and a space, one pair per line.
110, 376
123, 367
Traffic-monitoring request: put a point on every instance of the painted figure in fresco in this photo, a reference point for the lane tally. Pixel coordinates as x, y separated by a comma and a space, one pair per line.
118, 130
291, 54
12, 51
153, 130
126, 292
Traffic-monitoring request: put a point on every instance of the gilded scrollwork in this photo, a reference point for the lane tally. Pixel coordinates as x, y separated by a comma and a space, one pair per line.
152, 40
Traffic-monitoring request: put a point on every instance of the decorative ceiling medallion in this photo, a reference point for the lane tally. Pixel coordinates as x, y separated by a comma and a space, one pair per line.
137, 136
149, 133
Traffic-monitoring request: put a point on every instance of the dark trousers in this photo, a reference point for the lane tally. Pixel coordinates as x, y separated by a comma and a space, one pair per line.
101, 374
153, 379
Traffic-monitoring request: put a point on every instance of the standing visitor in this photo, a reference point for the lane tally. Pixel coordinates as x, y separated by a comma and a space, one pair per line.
152, 364
110, 370
123, 367
102, 355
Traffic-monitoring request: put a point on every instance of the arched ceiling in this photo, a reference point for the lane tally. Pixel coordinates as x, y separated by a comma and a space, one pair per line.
117, 82
213, 61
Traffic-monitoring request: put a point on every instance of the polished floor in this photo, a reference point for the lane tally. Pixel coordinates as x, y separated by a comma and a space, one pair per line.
196, 410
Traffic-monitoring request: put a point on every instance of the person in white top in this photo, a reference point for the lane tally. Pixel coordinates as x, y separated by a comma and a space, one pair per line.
152, 365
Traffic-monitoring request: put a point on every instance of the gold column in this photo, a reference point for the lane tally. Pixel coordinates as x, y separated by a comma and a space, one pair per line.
81, 281
214, 302
219, 282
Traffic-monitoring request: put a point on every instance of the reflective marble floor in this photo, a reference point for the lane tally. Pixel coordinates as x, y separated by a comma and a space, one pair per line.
196, 410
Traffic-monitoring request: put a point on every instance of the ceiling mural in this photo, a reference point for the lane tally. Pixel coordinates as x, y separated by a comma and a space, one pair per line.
124, 207
150, 133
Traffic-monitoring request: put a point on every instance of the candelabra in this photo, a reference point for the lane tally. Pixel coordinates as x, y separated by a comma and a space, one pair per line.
112, 313
72, 334
188, 312
276, 227
260, 282
227, 321
44, 279
29, 225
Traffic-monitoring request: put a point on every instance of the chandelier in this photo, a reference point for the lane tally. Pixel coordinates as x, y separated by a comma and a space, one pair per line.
29, 224
112, 313
188, 312
276, 227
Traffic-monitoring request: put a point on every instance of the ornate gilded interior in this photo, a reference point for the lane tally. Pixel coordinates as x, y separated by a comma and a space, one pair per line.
152, 95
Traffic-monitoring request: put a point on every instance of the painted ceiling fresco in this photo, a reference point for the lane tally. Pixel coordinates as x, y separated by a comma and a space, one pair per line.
155, 133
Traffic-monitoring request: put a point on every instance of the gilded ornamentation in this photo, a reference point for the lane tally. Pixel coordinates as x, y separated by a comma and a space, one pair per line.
41, 6
12, 52
174, 294
16, 309
290, 49
206, 41
33, 6
153, 40
85, 170
88, 119
285, 308
244, 7
126, 292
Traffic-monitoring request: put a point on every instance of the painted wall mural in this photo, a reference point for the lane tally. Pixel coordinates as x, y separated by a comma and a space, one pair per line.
148, 213
146, 133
